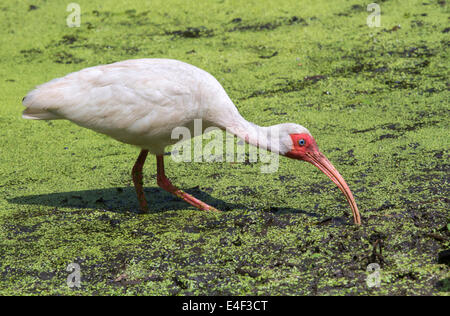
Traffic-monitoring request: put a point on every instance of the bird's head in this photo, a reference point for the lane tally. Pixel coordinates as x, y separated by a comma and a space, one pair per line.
299, 144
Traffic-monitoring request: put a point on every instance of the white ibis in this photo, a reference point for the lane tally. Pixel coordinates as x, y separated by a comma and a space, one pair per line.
141, 101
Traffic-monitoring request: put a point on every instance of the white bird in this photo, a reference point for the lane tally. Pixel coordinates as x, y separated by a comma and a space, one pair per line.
140, 102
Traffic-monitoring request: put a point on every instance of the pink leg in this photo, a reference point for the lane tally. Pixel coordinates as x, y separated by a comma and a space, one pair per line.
137, 179
165, 184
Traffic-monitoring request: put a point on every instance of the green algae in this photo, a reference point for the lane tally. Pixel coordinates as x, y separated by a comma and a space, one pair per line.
376, 100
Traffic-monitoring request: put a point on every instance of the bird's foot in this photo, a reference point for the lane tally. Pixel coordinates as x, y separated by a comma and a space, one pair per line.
194, 201
165, 184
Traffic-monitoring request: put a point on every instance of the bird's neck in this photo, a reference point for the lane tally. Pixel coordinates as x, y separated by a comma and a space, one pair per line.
227, 117
260, 136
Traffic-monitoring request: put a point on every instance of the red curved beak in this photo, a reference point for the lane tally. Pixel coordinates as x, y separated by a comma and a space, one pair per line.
321, 162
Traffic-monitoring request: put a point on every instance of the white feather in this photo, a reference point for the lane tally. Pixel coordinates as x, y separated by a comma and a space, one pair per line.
141, 101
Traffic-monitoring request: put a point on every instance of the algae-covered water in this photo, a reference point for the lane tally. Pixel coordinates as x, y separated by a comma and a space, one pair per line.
375, 99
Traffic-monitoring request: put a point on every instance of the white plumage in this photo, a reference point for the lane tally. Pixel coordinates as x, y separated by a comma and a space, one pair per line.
141, 101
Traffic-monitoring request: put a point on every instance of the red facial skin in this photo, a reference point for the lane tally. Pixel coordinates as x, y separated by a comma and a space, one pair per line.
308, 151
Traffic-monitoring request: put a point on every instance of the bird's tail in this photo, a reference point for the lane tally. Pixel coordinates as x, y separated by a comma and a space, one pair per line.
38, 114
37, 106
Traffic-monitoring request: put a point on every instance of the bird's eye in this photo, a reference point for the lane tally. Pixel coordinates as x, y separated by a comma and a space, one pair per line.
301, 142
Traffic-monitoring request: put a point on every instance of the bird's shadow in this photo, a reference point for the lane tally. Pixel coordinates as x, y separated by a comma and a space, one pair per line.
123, 200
